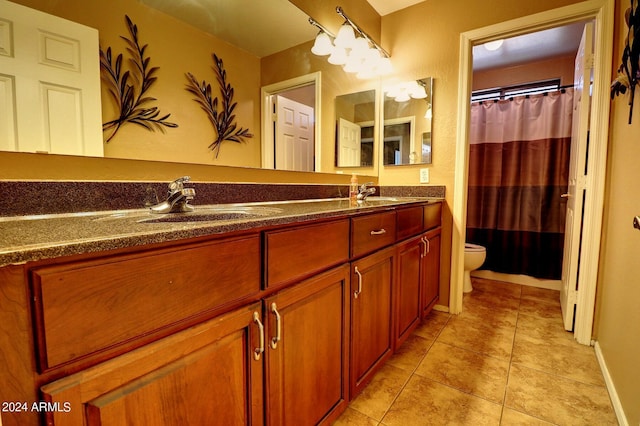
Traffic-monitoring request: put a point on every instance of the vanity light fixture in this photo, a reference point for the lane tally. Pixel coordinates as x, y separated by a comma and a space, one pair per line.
493, 45
402, 92
352, 48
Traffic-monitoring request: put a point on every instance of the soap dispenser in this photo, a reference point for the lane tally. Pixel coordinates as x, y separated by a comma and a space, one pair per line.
353, 189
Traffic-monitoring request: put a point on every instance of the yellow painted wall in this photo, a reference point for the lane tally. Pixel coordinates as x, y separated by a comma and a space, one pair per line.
618, 296
561, 67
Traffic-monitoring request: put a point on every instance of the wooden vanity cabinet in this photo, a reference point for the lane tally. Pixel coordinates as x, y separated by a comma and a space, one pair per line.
211, 372
371, 342
306, 356
430, 264
410, 276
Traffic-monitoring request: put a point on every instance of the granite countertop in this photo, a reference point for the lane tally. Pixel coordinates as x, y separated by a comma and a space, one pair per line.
37, 237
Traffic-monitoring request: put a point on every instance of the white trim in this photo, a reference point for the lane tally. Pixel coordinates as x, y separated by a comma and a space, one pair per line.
603, 13
266, 115
613, 394
441, 308
517, 279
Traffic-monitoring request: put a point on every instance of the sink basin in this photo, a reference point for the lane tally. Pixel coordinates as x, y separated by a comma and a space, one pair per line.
200, 214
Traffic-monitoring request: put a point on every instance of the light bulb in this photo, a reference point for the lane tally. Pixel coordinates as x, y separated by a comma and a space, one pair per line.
338, 56
322, 46
346, 37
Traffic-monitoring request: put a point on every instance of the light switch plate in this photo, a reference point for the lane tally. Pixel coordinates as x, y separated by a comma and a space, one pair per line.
424, 175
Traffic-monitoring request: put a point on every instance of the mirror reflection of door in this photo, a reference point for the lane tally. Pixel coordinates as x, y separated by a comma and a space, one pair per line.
293, 135
355, 128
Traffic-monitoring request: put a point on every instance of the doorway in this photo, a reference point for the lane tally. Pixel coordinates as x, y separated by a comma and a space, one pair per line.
602, 12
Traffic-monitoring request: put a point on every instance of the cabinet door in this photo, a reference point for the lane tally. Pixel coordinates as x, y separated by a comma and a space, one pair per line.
307, 366
430, 272
407, 289
371, 321
211, 371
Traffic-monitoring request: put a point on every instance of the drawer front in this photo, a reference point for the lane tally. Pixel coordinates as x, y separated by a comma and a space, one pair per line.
432, 216
85, 307
409, 221
372, 232
296, 253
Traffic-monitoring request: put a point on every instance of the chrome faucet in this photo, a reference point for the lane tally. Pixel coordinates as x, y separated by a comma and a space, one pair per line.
177, 199
365, 191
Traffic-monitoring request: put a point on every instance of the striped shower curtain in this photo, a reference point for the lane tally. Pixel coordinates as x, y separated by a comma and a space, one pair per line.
518, 170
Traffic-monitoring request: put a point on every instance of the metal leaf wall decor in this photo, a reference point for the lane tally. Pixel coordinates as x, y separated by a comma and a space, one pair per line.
129, 88
223, 121
629, 71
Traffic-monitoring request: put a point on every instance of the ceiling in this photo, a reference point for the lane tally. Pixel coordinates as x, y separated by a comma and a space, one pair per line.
268, 26
535, 46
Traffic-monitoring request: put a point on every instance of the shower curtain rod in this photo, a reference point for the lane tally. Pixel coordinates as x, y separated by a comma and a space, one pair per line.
524, 93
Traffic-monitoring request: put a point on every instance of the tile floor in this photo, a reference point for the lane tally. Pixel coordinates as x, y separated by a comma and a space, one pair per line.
506, 360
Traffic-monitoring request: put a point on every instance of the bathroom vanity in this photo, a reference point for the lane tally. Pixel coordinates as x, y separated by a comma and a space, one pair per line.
238, 320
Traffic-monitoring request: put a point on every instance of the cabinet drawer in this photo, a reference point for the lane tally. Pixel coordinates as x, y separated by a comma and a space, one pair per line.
296, 253
409, 221
372, 232
88, 306
432, 216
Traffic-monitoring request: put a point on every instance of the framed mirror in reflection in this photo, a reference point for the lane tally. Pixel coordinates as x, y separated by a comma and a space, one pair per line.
407, 121
355, 129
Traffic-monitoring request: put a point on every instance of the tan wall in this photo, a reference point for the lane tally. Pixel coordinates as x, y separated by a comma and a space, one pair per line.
176, 48
561, 67
618, 315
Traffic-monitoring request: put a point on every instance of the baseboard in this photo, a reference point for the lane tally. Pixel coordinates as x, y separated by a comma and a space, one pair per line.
518, 279
615, 400
440, 308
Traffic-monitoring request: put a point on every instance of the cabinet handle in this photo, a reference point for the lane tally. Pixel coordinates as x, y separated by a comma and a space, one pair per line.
379, 232
357, 292
424, 247
258, 351
428, 245
275, 340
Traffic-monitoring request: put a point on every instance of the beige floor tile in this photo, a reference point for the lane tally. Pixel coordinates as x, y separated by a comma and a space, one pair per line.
425, 402
494, 295
352, 417
432, 325
544, 328
541, 308
467, 371
497, 287
409, 355
495, 316
544, 294
478, 337
377, 396
515, 418
562, 358
556, 399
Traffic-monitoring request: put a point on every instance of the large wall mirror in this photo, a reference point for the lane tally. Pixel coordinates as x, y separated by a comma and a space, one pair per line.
407, 120
355, 129
179, 39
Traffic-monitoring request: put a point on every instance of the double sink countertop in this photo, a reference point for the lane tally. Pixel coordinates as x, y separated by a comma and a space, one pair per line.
37, 237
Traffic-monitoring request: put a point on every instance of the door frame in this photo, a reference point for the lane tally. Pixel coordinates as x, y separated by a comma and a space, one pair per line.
266, 117
603, 12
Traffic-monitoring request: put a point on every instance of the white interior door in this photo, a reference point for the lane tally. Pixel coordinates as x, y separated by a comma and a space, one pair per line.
577, 177
49, 84
294, 136
349, 141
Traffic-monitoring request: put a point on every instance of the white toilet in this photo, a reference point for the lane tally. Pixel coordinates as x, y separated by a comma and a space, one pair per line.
474, 256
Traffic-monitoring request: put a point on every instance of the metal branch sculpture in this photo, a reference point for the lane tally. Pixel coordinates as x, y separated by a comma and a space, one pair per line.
223, 120
129, 88
629, 70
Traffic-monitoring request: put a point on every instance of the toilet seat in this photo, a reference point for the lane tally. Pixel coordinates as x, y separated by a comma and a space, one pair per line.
473, 247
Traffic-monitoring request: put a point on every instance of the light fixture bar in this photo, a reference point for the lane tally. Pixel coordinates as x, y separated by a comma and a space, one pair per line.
320, 27
340, 12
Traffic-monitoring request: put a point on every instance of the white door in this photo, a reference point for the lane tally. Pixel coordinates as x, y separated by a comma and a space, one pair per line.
294, 136
577, 177
349, 141
49, 84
